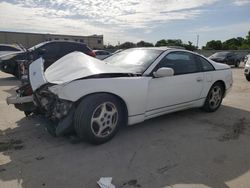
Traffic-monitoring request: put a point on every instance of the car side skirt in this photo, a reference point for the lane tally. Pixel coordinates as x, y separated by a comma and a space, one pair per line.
137, 118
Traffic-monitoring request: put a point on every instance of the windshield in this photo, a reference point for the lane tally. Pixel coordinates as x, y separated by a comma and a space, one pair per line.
136, 60
37, 46
220, 54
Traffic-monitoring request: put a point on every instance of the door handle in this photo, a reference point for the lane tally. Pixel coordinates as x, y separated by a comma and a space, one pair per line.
199, 79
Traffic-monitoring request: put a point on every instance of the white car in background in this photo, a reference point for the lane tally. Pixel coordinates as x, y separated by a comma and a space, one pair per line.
95, 98
102, 54
247, 57
9, 49
247, 69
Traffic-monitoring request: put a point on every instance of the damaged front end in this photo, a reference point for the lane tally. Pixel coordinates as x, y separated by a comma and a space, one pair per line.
23, 100
59, 111
41, 100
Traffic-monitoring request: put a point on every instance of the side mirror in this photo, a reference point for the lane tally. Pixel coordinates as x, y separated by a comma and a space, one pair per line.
163, 72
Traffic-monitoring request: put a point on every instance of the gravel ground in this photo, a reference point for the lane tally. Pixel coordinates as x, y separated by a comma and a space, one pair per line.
185, 149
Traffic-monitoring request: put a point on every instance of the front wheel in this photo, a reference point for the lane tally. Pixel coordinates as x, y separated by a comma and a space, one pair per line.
214, 98
98, 118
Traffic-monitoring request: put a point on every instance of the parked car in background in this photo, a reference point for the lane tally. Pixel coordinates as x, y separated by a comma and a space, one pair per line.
8, 48
117, 51
229, 58
95, 98
50, 51
247, 70
102, 54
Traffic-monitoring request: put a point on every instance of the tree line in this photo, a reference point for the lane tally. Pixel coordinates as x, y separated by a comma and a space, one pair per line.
162, 42
238, 43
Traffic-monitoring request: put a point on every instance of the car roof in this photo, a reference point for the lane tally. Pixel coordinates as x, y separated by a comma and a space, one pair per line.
67, 41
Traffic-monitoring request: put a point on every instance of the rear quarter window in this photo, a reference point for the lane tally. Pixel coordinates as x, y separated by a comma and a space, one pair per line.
206, 66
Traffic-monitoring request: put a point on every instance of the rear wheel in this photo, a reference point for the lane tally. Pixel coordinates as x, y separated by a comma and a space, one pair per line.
214, 98
98, 118
237, 63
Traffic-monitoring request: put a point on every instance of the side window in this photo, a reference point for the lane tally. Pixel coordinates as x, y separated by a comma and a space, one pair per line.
106, 53
52, 50
180, 62
206, 66
68, 47
82, 48
229, 55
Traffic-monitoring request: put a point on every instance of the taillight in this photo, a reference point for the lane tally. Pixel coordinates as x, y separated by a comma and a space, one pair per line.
91, 53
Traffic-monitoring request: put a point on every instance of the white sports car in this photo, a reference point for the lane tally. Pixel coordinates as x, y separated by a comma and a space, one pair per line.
94, 98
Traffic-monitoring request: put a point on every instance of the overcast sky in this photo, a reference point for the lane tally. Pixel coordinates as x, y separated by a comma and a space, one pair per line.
130, 20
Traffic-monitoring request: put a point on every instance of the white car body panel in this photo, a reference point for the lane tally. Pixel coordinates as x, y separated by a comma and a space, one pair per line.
36, 74
247, 67
132, 91
9, 55
5, 53
166, 92
144, 96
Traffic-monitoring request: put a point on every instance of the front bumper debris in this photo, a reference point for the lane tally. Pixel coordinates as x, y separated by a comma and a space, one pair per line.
19, 100
25, 103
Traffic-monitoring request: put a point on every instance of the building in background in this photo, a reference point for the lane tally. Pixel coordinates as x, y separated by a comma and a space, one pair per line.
31, 39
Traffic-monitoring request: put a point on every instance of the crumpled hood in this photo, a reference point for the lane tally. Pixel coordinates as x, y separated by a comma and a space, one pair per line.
78, 65
73, 66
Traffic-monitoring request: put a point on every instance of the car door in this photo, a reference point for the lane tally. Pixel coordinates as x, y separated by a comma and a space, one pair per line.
178, 91
231, 58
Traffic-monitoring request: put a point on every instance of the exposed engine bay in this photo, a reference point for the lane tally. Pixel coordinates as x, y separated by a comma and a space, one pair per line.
49, 104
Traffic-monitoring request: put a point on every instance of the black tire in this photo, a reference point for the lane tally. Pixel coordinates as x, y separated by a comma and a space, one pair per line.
248, 77
208, 107
237, 64
88, 108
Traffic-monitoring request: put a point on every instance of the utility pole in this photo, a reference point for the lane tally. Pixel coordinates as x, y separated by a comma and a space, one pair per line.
197, 41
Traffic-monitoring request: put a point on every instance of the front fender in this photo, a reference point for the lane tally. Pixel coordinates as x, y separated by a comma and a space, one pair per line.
132, 90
